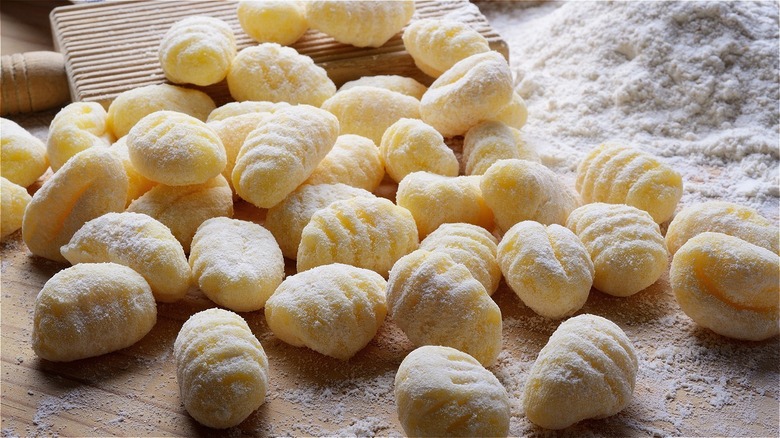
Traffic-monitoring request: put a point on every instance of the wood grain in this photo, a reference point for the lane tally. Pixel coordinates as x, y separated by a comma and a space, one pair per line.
32, 81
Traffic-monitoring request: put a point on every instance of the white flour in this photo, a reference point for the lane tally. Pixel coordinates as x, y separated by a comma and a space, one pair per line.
695, 83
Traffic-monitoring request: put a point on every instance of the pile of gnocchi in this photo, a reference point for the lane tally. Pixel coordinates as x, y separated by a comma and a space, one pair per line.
141, 201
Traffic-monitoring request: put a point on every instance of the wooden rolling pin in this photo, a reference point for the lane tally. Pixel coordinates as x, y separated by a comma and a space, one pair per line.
32, 81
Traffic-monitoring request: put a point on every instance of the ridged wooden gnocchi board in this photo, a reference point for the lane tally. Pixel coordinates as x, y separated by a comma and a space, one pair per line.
111, 47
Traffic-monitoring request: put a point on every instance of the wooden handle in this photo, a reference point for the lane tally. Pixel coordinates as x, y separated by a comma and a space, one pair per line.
32, 81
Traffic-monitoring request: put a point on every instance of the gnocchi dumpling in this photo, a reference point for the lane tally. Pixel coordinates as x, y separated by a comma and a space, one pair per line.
13, 201
333, 309
435, 45
354, 161
233, 109
514, 113
22, 155
78, 126
197, 50
233, 131
490, 141
399, 84
273, 21
359, 23
137, 183
411, 145
586, 370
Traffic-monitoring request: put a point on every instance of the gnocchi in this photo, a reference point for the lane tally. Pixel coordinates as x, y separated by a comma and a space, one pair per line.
411, 145
513, 114
603, 359
273, 21
441, 391
78, 126
137, 183
91, 309
233, 109
22, 155
197, 50
547, 267
221, 368
728, 285
361, 23
625, 245
333, 309
354, 160
399, 84
436, 301
233, 132
435, 45
13, 201
488, 142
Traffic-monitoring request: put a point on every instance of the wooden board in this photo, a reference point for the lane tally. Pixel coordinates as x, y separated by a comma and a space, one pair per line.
112, 47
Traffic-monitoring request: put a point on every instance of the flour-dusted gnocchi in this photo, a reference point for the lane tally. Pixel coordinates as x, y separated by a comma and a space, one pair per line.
78, 126
470, 245
354, 160
518, 190
197, 50
137, 183
236, 263
399, 84
547, 267
619, 174
233, 132
435, 199
513, 114
474, 89
728, 285
221, 368
369, 111
132, 105
625, 245
359, 23
277, 73
441, 391
273, 21
91, 309
366, 232
587, 370
90, 184
233, 109
435, 45
722, 217
436, 301
282, 153
287, 219
333, 309
488, 142
13, 201
411, 145
139, 242
183, 208
22, 155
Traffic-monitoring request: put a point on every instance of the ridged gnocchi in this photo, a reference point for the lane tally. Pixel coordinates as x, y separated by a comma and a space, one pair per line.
435, 45
618, 174
359, 23
441, 391
221, 368
488, 142
78, 126
728, 285
370, 233
399, 84
233, 109
273, 21
233, 132
333, 309
282, 153
197, 50
354, 161
139, 242
547, 267
137, 183
586, 370
436, 301
22, 155
91, 309
625, 245
236, 263
13, 201
411, 145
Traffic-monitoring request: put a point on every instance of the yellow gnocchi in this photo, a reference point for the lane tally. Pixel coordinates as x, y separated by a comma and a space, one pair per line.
518, 190
399, 84
22, 155
197, 50
78, 126
236, 263
221, 368
354, 160
369, 111
359, 23
618, 174
89, 185
435, 45
436, 301
436, 199
175, 149
514, 113
287, 219
470, 245
411, 145
441, 391
277, 73
587, 370
137, 183
91, 309
273, 21
366, 232
333, 309
282, 153
547, 267
139, 242
474, 89
132, 105
233, 109
722, 217
625, 245
233, 132
13, 201
728, 285
488, 142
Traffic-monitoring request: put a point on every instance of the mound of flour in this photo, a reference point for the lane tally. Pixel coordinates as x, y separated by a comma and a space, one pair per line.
695, 83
